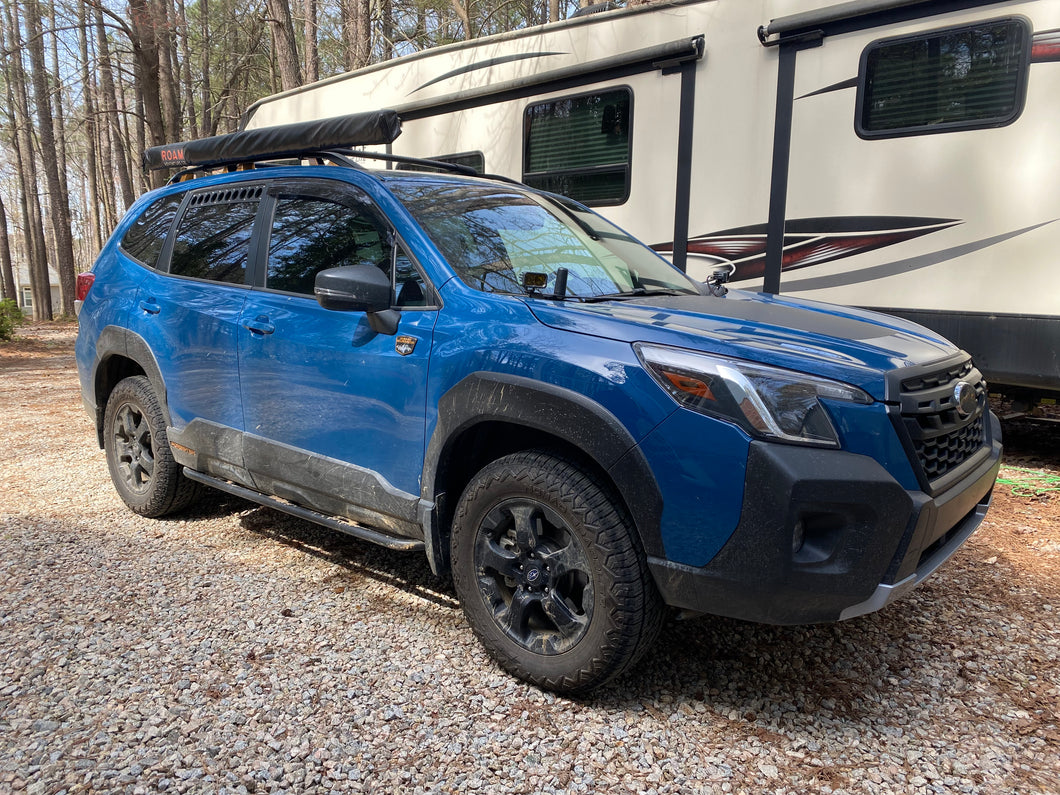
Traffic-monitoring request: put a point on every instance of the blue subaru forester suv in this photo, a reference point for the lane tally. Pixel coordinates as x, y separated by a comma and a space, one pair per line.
573, 430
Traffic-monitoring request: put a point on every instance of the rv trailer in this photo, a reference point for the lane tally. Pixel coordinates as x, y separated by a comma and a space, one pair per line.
899, 155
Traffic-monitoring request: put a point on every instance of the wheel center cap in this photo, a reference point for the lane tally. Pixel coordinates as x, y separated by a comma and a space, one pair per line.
533, 575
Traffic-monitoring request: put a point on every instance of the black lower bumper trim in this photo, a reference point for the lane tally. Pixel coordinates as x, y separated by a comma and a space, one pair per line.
820, 533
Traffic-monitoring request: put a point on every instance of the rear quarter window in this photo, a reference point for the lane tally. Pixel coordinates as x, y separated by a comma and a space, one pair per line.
143, 240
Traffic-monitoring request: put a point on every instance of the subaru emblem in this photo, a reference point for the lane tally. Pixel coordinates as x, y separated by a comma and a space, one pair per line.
965, 399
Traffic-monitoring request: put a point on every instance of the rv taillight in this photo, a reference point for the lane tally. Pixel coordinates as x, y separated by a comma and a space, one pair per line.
84, 284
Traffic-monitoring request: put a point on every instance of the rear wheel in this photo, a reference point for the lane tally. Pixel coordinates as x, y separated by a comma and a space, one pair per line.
549, 573
141, 464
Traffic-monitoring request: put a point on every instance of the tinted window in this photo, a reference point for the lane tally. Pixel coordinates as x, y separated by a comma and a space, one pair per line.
946, 80
144, 239
310, 234
580, 147
213, 240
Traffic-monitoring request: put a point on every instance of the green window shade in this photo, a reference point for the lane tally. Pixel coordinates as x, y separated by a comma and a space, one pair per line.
948, 80
580, 147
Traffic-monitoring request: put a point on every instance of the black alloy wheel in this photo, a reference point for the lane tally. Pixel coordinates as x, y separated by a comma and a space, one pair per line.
550, 573
141, 464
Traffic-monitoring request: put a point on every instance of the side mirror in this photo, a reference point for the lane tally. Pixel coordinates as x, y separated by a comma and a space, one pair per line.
353, 288
359, 288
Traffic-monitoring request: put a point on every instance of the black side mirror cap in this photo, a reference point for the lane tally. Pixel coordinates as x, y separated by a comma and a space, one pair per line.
353, 288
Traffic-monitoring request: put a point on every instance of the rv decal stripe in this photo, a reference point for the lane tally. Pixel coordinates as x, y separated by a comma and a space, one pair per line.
1045, 46
851, 83
473, 67
809, 241
906, 265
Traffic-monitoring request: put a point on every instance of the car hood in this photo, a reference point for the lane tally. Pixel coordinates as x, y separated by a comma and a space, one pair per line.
851, 345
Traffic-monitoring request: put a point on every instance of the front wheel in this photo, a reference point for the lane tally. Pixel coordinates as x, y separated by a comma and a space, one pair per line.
550, 575
141, 464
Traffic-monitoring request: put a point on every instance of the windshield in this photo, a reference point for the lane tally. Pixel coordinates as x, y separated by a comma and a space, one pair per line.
494, 235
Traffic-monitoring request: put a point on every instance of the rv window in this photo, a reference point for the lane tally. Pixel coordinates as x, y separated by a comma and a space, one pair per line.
957, 79
473, 160
580, 146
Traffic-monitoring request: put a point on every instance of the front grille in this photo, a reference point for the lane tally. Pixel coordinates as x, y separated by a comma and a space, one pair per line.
940, 454
940, 436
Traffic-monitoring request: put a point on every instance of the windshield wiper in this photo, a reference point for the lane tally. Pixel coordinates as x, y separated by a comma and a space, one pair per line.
636, 292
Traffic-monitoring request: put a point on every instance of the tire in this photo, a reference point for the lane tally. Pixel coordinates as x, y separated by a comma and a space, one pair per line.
141, 464
550, 575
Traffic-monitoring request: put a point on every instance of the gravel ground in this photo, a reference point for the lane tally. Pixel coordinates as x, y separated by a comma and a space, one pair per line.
239, 650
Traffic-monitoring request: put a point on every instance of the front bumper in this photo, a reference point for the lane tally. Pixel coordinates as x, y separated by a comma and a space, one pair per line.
826, 535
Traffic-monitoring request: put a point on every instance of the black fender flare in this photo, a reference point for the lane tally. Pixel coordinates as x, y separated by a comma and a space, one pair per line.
118, 341
487, 397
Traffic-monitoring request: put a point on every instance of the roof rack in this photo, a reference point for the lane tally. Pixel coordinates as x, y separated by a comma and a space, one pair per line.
285, 140
326, 141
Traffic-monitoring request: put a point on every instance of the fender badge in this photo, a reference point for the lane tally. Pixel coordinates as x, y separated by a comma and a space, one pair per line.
405, 345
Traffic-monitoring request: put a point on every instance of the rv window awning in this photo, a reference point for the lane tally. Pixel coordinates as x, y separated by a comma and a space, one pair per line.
836, 13
286, 140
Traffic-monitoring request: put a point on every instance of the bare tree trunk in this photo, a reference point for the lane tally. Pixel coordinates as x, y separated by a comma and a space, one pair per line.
363, 33
312, 51
348, 23
208, 123
88, 90
7, 273
59, 215
146, 68
110, 105
22, 142
284, 43
387, 29
168, 75
553, 10
356, 33
465, 20
190, 116
59, 104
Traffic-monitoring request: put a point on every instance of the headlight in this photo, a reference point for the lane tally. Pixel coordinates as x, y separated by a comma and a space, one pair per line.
767, 402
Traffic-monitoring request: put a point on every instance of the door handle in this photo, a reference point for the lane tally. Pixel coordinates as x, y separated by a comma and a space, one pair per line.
259, 325
150, 306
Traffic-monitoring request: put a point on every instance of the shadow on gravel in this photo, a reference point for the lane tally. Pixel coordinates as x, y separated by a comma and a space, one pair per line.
850, 673
408, 571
